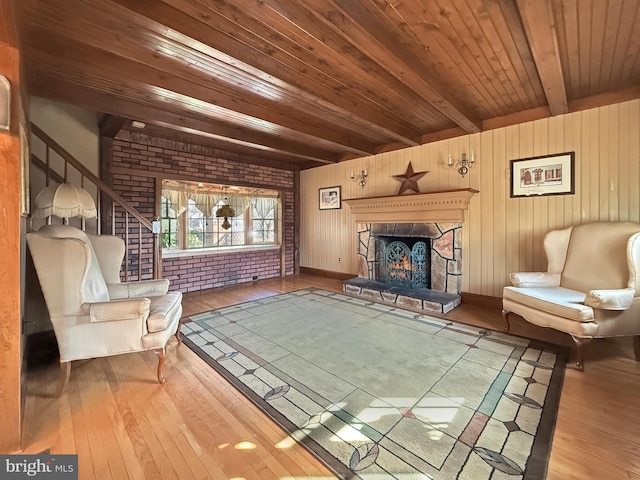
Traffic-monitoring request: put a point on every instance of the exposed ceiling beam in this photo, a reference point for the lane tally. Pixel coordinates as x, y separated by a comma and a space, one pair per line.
400, 62
539, 26
359, 33
283, 150
204, 41
220, 98
606, 98
110, 125
65, 91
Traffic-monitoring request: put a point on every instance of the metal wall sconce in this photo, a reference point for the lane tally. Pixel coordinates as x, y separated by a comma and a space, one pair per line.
361, 178
462, 165
5, 104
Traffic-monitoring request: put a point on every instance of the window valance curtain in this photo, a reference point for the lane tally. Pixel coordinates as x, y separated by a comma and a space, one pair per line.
239, 202
264, 205
207, 203
178, 199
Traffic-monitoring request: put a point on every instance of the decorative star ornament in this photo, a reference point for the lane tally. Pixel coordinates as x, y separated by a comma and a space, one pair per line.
410, 180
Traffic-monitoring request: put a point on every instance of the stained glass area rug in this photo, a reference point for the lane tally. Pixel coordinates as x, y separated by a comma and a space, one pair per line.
377, 392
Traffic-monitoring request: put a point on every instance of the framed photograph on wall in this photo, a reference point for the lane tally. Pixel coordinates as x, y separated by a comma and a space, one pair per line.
546, 175
330, 198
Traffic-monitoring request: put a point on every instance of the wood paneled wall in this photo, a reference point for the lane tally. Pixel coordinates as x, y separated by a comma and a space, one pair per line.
12, 227
500, 234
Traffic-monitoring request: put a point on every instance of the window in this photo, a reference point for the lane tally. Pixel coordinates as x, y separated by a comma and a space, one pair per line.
263, 216
193, 216
169, 225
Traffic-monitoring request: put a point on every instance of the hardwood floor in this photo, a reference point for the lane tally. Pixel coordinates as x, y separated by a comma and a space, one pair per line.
124, 425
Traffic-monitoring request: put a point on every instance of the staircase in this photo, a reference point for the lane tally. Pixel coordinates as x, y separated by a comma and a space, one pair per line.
116, 215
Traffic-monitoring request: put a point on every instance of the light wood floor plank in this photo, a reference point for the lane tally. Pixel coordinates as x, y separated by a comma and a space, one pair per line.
124, 425
65, 416
87, 387
117, 445
213, 394
132, 447
224, 431
167, 426
156, 451
80, 431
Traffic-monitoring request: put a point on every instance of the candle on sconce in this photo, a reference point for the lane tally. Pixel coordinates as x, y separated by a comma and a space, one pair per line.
365, 172
473, 156
450, 160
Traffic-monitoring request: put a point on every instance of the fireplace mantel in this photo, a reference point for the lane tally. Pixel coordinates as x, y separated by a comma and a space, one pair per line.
431, 207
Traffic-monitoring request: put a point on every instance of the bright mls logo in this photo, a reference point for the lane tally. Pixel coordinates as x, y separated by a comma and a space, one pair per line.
52, 467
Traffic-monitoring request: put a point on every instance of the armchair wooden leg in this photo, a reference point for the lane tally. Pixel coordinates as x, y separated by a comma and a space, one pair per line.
581, 344
505, 315
65, 372
636, 346
161, 359
178, 334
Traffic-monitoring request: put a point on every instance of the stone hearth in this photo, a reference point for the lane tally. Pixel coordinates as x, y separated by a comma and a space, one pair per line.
420, 298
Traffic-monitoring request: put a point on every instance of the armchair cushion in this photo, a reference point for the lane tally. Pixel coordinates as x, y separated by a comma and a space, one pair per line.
614, 299
143, 288
119, 310
554, 300
163, 310
148, 288
118, 290
535, 279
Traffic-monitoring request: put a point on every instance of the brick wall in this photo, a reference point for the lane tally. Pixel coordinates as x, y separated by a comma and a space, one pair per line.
139, 160
208, 271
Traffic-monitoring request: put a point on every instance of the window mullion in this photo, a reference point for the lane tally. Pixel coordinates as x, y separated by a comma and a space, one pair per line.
248, 226
183, 230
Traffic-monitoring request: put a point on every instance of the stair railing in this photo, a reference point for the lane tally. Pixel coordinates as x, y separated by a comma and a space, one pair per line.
120, 208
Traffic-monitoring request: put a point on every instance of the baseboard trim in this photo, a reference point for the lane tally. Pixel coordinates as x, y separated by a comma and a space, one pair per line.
484, 301
326, 273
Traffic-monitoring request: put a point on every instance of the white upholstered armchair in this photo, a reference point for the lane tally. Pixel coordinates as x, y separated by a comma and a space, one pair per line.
591, 288
92, 312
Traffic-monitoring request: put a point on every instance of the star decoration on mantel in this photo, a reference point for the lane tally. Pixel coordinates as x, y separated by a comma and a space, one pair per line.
410, 180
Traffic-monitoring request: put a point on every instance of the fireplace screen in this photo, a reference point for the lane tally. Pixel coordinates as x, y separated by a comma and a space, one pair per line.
404, 266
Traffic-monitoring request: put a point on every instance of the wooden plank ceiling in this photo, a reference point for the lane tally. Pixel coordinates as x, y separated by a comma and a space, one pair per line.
311, 82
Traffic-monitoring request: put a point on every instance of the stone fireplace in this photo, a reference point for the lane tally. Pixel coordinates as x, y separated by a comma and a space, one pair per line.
405, 259
439, 263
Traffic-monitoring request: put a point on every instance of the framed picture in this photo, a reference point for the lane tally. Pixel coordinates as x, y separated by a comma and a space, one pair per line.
330, 198
546, 175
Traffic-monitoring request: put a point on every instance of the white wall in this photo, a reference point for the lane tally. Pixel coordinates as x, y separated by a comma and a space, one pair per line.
500, 234
75, 129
